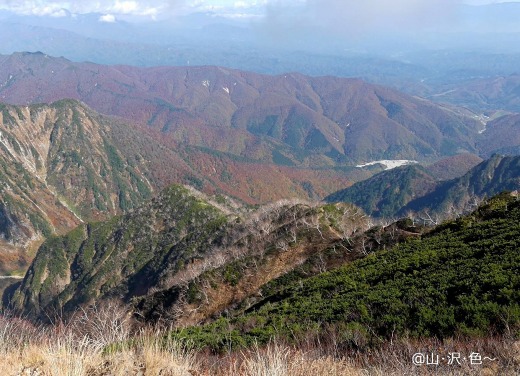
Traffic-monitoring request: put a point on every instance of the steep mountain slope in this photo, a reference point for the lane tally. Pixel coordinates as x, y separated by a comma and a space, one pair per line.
384, 194
58, 166
501, 136
288, 119
134, 248
460, 278
416, 189
181, 251
70, 149
29, 211
63, 163
460, 195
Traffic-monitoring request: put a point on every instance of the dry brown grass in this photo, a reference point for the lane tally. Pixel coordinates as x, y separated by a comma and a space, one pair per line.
69, 355
28, 350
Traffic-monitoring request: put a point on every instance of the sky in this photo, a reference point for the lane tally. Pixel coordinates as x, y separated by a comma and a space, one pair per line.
112, 9
324, 26
282, 20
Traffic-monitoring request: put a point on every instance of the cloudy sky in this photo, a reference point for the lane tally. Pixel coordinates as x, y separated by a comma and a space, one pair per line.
232, 8
275, 19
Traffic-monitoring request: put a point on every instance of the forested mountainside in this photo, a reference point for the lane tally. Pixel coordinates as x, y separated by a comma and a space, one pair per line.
502, 135
461, 278
461, 195
182, 251
288, 119
453, 167
72, 149
287, 270
414, 189
386, 193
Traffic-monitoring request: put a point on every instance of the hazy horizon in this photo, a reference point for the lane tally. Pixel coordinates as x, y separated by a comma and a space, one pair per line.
426, 38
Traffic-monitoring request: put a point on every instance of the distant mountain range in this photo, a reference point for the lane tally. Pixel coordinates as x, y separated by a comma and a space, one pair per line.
233, 207
499, 92
416, 189
288, 119
252, 137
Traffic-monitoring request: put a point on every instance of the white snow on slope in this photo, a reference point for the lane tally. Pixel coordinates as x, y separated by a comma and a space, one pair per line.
389, 164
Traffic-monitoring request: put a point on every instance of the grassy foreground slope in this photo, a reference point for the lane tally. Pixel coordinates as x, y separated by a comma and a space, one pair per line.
461, 278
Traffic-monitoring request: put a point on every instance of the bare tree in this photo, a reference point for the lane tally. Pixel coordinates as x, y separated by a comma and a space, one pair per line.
104, 323
474, 202
412, 216
429, 219
366, 247
313, 223
293, 235
282, 244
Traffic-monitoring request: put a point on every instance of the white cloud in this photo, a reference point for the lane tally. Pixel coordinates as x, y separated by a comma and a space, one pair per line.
57, 8
110, 18
126, 7
236, 9
241, 4
238, 16
326, 10
53, 9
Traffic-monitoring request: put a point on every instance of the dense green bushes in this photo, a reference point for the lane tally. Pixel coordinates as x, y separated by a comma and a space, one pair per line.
463, 278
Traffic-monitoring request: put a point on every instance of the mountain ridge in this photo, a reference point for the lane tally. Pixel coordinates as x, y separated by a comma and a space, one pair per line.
150, 257
323, 121
458, 278
415, 189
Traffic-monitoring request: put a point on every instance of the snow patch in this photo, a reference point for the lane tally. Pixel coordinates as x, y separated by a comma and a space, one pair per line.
226, 89
389, 164
205, 83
